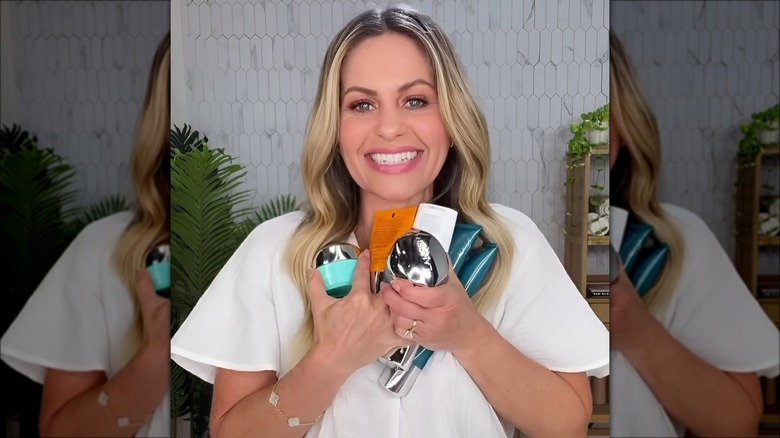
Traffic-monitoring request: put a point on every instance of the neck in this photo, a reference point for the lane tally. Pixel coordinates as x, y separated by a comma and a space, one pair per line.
370, 204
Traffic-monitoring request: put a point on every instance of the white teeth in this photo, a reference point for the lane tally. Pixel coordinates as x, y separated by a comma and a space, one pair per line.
391, 159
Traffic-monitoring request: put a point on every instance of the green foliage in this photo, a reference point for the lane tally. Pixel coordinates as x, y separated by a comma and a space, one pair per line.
579, 145
275, 207
750, 146
185, 140
14, 139
38, 219
203, 215
108, 206
207, 226
36, 201
597, 184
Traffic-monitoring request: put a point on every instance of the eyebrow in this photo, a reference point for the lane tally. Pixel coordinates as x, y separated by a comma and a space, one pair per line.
403, 87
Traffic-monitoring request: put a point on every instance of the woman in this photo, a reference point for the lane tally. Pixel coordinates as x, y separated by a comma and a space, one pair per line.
94, 333
394, 124
687, 355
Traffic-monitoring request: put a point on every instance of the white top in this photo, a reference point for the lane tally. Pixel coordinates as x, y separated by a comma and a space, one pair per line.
77, 318
714, 315
249, 316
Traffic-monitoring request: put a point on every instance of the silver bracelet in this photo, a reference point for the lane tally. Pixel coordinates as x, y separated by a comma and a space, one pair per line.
291, 421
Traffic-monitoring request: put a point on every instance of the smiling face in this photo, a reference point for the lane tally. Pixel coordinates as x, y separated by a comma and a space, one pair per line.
391, 134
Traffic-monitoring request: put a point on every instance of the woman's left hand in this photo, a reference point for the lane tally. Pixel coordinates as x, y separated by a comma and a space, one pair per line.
446, 317
628, 315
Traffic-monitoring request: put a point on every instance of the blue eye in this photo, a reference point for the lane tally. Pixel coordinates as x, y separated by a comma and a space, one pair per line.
361, 106
416, 102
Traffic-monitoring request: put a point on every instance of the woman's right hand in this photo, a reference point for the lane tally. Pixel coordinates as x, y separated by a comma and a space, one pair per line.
628, 315
155, 313
357, 329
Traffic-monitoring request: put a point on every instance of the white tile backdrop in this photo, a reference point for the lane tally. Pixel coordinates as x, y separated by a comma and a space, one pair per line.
80, 75
252, 68
705, 68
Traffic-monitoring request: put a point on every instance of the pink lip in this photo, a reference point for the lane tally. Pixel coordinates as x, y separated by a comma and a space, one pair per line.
394, 169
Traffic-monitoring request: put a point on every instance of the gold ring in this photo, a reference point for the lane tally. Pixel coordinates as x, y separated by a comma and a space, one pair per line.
410, 333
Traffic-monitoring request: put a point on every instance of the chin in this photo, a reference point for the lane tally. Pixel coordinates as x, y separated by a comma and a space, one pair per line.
402, 195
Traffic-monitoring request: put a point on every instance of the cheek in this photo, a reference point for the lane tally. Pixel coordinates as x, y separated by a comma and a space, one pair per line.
432, 132
351, 137
348, 133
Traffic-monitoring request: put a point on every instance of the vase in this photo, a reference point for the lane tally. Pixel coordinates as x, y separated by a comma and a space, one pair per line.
598, 137
769, 136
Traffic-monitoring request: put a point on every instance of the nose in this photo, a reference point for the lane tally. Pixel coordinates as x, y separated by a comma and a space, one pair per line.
390, 123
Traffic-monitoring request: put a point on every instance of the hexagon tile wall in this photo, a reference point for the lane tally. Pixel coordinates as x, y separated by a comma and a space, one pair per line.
705, 67
81, 69
252, 68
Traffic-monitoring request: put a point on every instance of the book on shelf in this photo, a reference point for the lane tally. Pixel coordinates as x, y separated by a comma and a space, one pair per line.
768, 289
598, 290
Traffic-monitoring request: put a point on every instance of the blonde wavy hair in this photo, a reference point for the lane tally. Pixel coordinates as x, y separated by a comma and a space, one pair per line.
634, 178
334, 198
150, 170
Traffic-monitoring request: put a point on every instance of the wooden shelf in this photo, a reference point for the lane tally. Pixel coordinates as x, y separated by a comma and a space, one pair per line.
600, 150
748, 241
769, 150
771, 414
577, 242
600, 306
600, 414
598, 240
769, 240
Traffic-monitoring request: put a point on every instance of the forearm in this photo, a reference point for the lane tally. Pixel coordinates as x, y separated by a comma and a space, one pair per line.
703, 398
305, 392
134, 392
533, 398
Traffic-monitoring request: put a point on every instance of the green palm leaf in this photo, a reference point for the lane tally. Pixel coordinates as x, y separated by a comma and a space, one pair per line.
185, 140
274, 208
105, 207
14, 139
36, 203
204, 213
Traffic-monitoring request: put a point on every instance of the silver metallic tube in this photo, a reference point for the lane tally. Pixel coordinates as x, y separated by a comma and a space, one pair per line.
416, 256
399, 381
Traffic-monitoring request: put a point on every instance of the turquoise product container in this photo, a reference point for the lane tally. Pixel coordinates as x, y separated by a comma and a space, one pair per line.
474, 271
463, 238
634, 239
337, 277
158, 263
161, 275
337, 265
645, 273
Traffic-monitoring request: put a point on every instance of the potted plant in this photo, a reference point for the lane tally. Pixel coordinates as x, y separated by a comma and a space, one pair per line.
38, 222
593, 130
762, 130
207, 226
39, 219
